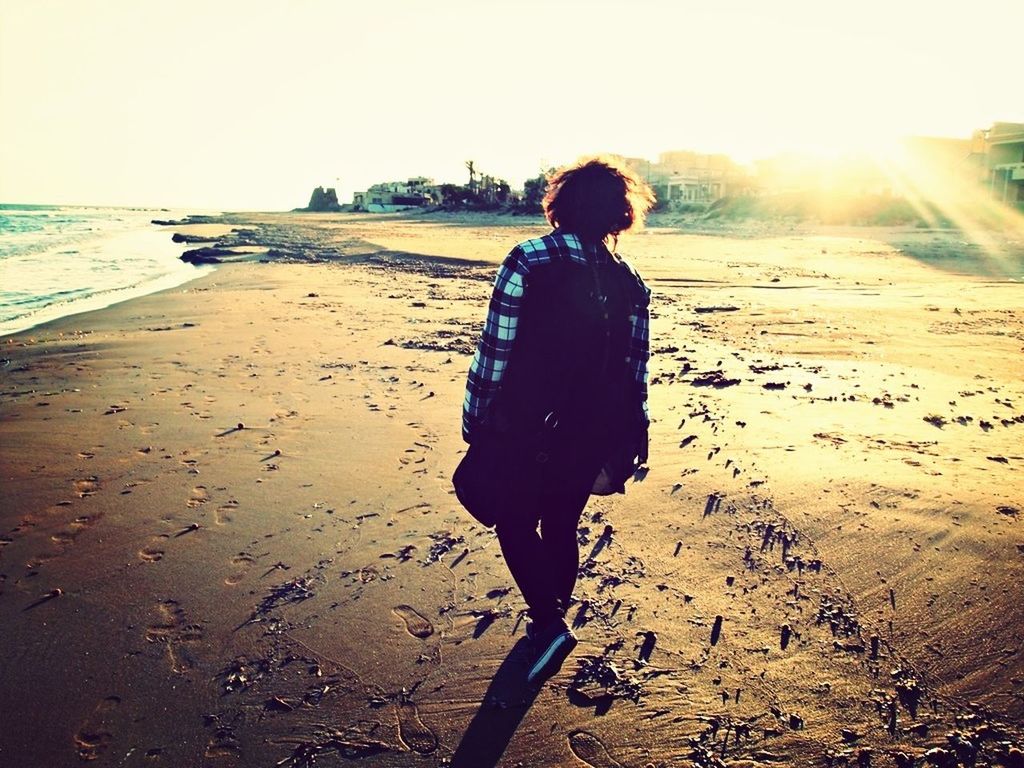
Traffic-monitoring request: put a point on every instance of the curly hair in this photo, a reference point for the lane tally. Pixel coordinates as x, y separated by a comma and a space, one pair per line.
596, 197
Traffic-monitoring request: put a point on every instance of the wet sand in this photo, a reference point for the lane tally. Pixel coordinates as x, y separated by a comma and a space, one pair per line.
227, 535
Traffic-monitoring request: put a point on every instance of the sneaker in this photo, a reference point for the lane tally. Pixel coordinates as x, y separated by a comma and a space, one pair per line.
533, 629
554, 642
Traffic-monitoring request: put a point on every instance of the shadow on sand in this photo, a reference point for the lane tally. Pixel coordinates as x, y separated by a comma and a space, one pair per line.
505, 704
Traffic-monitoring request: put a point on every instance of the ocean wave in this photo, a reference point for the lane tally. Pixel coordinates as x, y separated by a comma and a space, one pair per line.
56, 262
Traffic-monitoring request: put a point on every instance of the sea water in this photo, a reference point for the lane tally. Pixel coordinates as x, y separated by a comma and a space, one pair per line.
61, 260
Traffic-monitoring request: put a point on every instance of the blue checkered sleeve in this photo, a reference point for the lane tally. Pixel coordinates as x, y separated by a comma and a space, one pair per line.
495, 346
639, 354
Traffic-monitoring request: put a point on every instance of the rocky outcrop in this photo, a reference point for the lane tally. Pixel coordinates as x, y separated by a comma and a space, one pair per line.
211, 255
191, 219
179, 237
323, 200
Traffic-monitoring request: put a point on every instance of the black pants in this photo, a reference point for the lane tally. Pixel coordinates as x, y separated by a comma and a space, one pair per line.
544, 564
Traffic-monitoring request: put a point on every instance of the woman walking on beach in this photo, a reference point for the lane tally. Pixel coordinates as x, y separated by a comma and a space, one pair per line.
563, 354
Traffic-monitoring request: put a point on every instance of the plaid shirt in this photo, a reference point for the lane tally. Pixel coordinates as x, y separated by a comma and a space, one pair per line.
495, 346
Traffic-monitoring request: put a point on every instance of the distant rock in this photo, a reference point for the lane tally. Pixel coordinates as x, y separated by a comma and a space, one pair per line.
210, 255
179, 237
323, 200
190, 219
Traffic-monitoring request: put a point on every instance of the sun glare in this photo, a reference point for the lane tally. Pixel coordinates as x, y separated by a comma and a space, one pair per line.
103, 100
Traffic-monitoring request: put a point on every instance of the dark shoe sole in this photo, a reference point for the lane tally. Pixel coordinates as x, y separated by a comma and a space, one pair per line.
550, 661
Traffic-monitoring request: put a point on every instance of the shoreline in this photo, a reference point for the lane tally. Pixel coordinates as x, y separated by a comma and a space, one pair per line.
122, 245
97, 302
230, 501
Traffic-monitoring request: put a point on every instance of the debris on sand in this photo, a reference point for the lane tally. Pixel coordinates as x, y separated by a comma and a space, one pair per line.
351, 744
908, 690
444, 542
842, 621
53, 593
294, 591
242, 673
716, 630
188, 529
786, 632
297, 590
443, 341
599, 678
715, 379
647, 647
277, 704
713, 504
706, 310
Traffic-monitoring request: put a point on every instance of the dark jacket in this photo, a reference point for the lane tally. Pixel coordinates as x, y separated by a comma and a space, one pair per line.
568, 364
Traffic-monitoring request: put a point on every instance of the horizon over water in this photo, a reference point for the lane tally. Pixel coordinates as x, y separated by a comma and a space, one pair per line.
60, 260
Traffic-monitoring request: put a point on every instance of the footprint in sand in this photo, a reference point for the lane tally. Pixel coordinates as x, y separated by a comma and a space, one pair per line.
221, 748
171, 616
416, 624
173, 631
223, 515
67, 537
87, 486
242, 562
93, 738
150, 554
223, 743
198, 497
82, 522
29, 522
591, 750
411, 730
154, 551
128, 487
39, 561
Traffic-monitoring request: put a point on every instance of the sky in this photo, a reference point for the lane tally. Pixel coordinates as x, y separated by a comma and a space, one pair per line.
249, 105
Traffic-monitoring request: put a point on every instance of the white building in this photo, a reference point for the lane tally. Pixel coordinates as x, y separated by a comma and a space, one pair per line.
397, 195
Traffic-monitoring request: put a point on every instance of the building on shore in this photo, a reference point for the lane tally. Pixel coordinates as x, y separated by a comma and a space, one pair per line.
491, 190
921, 167
483, 191
680, 177
1004, 161
993, 158
391, 196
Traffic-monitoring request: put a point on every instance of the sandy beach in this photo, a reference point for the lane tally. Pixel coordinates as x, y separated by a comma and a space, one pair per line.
228, 537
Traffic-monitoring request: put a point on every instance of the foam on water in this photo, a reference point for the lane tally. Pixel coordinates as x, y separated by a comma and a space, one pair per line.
58, 261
